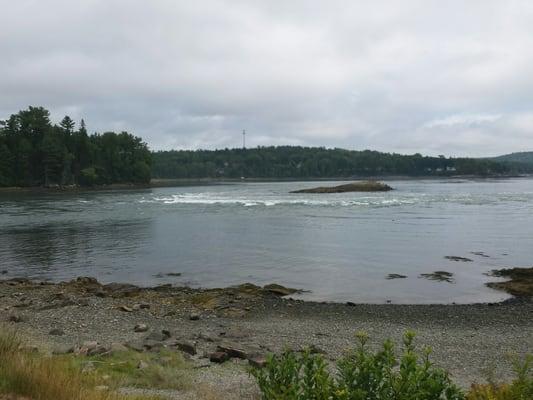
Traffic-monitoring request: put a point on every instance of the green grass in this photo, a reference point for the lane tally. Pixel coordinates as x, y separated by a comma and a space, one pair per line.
39, 377
162, 370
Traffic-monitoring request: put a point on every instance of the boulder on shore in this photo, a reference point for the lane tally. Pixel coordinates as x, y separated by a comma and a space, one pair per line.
364, 186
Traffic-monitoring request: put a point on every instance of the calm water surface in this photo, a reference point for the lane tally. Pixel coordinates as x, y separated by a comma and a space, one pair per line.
339, 246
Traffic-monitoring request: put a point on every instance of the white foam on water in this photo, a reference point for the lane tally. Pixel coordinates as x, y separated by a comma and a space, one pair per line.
220, 199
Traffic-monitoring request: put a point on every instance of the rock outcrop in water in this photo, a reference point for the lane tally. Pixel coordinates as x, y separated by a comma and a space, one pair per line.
365, 186
520, 281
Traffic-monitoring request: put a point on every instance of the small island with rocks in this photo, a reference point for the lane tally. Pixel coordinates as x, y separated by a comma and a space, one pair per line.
363, 186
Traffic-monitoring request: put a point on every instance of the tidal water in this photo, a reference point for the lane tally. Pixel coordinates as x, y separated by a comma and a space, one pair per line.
340, 247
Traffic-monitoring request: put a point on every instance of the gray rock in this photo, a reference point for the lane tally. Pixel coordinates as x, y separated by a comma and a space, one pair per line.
134, 345
141, 328
99, 349
218, 357
194, 316
156, 336
142, 365
15, 318
118, 348
232, 351
257, 361
122, 289
186, 347
153, 345
141, 306
56, 332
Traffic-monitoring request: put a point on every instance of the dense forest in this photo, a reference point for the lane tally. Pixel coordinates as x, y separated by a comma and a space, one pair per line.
317, 162
35, 152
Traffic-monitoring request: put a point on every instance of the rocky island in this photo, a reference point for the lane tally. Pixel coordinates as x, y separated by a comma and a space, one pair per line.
363, 186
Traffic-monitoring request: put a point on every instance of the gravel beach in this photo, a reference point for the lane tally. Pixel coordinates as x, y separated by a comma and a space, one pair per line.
471, 341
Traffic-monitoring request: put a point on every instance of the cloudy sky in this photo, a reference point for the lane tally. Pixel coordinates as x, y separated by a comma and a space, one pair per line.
436, 77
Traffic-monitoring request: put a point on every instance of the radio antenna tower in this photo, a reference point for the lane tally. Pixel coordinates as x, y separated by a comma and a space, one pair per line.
243, 139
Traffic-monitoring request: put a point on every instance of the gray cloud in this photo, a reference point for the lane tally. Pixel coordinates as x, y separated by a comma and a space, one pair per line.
413, 76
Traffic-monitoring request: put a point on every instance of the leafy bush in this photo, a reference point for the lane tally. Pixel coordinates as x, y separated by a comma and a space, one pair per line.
361, 375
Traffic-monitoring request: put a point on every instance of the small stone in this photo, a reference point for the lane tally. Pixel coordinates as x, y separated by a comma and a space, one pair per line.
87, 347
125, 308
22, 304
166, 332
169, 313
83, 302
117, 348
90, 344
206, 337
100, 293
56, 332
101, 388
257, 361
153, 345
15, 318
156, 337
100, 349
218, 357
232, 351
134, 345
142, 365
194, 316
141, 328
186, 347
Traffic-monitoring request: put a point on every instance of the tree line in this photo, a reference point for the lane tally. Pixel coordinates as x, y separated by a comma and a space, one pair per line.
317, 162
36, 152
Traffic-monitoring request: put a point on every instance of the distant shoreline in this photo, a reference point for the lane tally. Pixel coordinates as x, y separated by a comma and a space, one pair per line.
159, 183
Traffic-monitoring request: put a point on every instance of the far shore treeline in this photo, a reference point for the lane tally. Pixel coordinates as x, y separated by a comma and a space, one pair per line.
36, 152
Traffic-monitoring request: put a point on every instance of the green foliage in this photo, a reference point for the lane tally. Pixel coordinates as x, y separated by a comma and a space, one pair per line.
315, 162
361, 375
521, 388
35, 152
293, 377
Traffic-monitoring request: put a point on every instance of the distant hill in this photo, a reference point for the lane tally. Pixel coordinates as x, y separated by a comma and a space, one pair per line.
520, 157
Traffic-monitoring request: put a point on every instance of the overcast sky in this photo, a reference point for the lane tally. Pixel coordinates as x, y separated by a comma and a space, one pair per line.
436, 77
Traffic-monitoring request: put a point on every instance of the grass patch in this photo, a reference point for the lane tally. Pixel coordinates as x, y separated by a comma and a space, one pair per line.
162, 370
47, 378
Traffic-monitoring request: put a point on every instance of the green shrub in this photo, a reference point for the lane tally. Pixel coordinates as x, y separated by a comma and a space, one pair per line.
521, 388
361, 375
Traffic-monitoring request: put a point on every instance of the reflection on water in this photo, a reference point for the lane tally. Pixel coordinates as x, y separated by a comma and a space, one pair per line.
340, 246
65, 250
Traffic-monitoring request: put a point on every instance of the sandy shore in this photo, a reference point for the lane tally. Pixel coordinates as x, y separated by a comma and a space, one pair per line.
470, 341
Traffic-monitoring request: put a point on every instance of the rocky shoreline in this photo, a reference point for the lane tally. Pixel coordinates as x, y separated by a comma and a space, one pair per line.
222, 331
